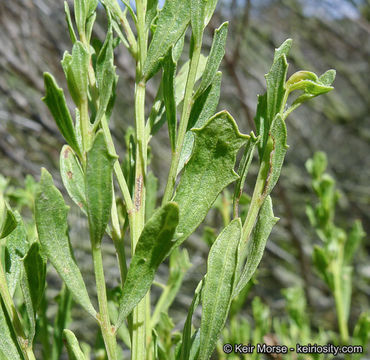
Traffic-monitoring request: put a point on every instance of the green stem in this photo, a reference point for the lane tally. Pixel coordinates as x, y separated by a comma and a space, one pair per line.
85, 126
14, 318
188, 102
106, 328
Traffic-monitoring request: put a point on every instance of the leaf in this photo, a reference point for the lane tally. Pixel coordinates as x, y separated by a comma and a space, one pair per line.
362, 329
321, 263
203, 108
75, 67
105, 74
278, 136
255, 249
56, 102
356, 235
8, 347
244, 167
186, 334
169, 72
16, 248
201, 13
262, 125
33, 284
98, 187
346, 287
214, 59
275, 80
151, 194
151, 12
154, 245
317, 165
72, 345
171, 24
83, 10
73, 177
218, 288
72, 33
51, 221
209, 170
8, 221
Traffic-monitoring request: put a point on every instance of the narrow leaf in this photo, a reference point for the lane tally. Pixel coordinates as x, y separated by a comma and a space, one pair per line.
72, 345
209, 170
73, 177
218, 288
171, 24
169, 72
33, 284
154, 245
56, 102
98, 185
356, 235
254, 251
72, 33
201, 13
214, 59
203, 108
151, 12
8, 221
51, 221
16, 248
8, 347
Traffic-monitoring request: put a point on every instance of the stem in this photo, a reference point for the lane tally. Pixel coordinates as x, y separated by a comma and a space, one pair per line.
105, 325
85, 126
14, 318
188, 102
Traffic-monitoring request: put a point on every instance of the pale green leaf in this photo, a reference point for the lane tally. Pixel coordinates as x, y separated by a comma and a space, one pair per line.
72, 33
151, 194
218, 288
72, 345
56, 102
73, 177
52, 227
8, 221
171, 24
154, 245
75, 67
201, 13
16, 248
214, 59
151, 12
209, 170
98, 187
8, 347
253, 251
356, 235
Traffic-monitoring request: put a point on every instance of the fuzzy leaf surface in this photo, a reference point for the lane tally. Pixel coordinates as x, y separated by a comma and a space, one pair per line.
254, 251
8, 222
154, 245
218, 288
16, 248
201, 13
52, 227
72, 177
72, 345
209, 170
171, 24
98, 185
56, 102
8, 347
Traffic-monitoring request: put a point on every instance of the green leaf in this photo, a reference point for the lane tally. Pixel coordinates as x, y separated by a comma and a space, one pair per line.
253, 251
75, 67
171, 24
244, 167
218, 288
356, 235
51, 221
151, 194
275, 80
276, 150
72, 345
72, 33
8, 221
209, 170
214, 59
203, 108
151, 12
262, 125
321, 263
317, 165
84, 9
16, 248
362, 329
56, 102
98, 187
201, 13
8, 347
346, 287
186, 334
105, 74
73, 177
154, 245
169, 72
33, 284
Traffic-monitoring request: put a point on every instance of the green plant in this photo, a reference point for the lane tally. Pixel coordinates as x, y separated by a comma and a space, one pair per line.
204, 146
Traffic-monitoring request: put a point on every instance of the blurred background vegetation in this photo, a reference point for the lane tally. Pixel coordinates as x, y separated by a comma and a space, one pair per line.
326, 34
